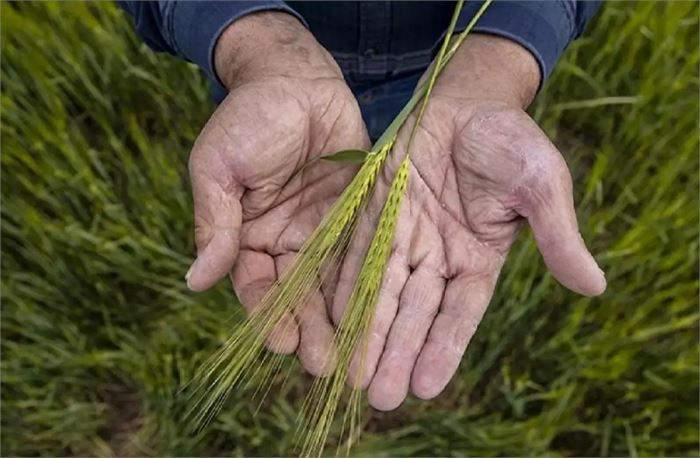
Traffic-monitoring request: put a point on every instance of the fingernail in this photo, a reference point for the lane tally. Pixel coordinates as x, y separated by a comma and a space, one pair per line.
189, 272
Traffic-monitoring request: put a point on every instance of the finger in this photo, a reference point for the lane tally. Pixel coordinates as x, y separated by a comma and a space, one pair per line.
316, 349
461, 310
351, 265
253, 275
217, 213
420, 300
549, 208
365, 360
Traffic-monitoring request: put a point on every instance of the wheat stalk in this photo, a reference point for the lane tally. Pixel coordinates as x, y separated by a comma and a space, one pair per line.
353, 331
243, 359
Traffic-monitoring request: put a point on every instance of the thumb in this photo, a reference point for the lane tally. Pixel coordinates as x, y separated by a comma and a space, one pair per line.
549, 208
217, 214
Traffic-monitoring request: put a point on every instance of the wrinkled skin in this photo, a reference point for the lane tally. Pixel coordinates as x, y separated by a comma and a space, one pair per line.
473, 181
480, 169
253, 211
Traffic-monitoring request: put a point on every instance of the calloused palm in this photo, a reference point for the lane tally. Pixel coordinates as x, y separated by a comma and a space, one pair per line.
254, 209
480, 169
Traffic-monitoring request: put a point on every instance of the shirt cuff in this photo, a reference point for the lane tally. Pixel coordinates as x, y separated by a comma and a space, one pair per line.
195, 27
544, 28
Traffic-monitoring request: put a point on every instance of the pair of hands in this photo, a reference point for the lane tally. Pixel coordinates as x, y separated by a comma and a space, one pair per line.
480, 169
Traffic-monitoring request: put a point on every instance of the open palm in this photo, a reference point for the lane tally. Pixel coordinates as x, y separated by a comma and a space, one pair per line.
254, 210
480, 168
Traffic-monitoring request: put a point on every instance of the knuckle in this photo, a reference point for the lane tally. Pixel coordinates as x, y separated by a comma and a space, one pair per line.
419, 310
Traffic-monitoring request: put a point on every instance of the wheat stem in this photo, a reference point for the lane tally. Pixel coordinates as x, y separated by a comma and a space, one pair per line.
419, 93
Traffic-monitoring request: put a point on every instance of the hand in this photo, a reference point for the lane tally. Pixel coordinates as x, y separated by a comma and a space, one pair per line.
288, 104
480, 168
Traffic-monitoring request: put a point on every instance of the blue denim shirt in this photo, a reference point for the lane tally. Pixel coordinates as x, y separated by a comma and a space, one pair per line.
372, 41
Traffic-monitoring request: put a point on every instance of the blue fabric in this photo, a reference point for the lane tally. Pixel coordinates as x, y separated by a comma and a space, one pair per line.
538, 26
373, 41
190, 29
380, 102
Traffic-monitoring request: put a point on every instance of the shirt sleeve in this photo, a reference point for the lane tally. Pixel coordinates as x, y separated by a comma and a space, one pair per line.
545, 28
190, 29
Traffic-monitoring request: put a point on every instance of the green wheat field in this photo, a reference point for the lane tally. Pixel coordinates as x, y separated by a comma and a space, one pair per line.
99, 331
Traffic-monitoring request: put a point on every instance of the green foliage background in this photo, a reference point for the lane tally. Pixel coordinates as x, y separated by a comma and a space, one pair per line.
98, 329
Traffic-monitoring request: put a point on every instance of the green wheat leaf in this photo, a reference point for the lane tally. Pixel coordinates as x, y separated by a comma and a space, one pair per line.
350, 156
